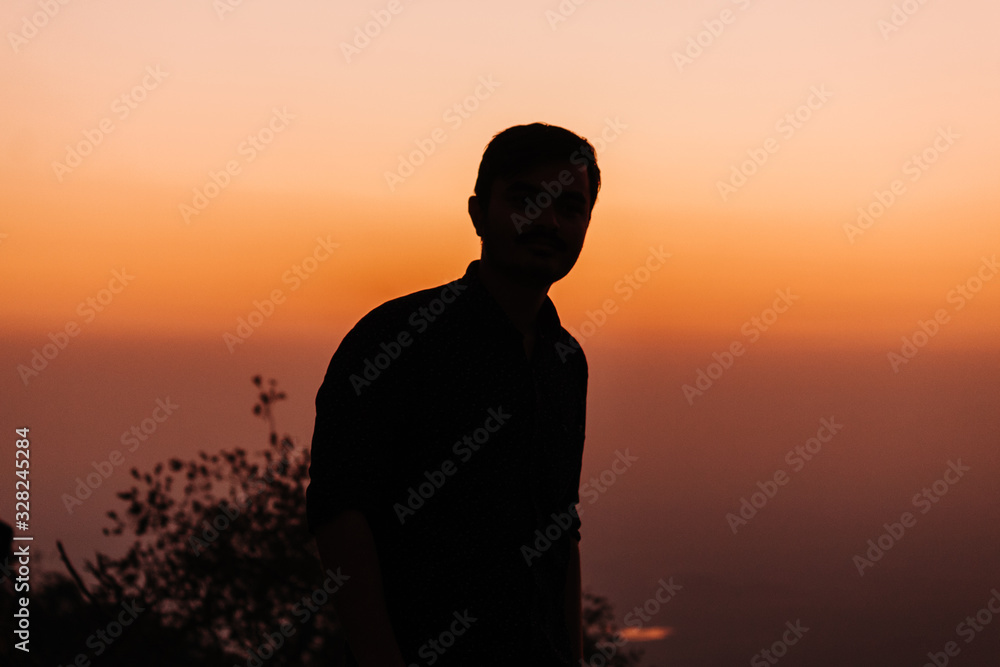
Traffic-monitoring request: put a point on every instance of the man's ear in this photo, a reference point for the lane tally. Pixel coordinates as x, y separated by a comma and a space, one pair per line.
477, 215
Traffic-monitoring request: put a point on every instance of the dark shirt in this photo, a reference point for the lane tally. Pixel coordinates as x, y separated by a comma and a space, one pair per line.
464, 456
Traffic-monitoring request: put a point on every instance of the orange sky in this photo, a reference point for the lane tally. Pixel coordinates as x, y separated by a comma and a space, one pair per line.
819, 108
206, 84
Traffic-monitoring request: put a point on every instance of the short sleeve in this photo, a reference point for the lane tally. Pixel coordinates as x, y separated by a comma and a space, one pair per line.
353, 434
581, 428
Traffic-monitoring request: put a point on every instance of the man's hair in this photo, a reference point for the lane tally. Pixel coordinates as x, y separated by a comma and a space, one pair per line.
524, 146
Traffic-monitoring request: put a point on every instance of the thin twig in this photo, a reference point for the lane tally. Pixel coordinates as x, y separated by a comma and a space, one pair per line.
78, 580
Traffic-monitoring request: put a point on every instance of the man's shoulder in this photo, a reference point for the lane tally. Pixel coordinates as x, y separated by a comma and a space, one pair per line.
570, 351
381, 340
410, 312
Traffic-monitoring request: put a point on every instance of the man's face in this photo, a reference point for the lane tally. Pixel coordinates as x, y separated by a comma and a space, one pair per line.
537, 219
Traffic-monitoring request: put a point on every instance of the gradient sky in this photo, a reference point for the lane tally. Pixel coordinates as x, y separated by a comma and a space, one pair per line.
672, 131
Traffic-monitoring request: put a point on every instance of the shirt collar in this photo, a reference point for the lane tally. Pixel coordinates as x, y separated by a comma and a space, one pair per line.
548, 322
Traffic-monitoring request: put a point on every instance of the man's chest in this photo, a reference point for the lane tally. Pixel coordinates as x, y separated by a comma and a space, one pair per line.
493, 415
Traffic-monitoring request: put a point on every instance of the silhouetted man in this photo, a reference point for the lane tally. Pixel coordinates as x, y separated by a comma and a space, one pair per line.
449, 437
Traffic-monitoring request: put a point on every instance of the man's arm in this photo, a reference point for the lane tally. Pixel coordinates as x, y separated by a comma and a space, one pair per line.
347, 543
574, 603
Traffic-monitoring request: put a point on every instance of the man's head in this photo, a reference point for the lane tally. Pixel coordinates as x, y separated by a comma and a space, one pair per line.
536, 188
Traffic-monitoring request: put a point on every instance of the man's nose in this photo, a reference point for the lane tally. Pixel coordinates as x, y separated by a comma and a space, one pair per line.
547, 218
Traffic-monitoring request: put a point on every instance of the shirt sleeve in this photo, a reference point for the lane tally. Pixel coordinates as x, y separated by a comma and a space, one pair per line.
574, 529
353, 434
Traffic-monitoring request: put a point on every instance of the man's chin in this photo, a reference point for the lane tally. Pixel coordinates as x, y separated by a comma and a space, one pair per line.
542, 270
534, 267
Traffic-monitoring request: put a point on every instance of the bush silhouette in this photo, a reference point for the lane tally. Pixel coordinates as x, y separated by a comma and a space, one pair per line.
222, 566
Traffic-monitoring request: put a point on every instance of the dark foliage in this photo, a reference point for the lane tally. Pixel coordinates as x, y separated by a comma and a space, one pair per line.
222, 567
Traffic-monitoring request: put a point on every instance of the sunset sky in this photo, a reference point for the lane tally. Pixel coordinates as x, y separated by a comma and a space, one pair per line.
167, 167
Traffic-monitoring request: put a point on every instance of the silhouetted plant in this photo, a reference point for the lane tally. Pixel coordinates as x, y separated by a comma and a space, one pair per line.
600, 630
228, 561
221, 560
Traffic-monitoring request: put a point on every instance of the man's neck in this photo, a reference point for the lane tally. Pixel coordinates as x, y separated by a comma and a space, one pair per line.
520, 302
